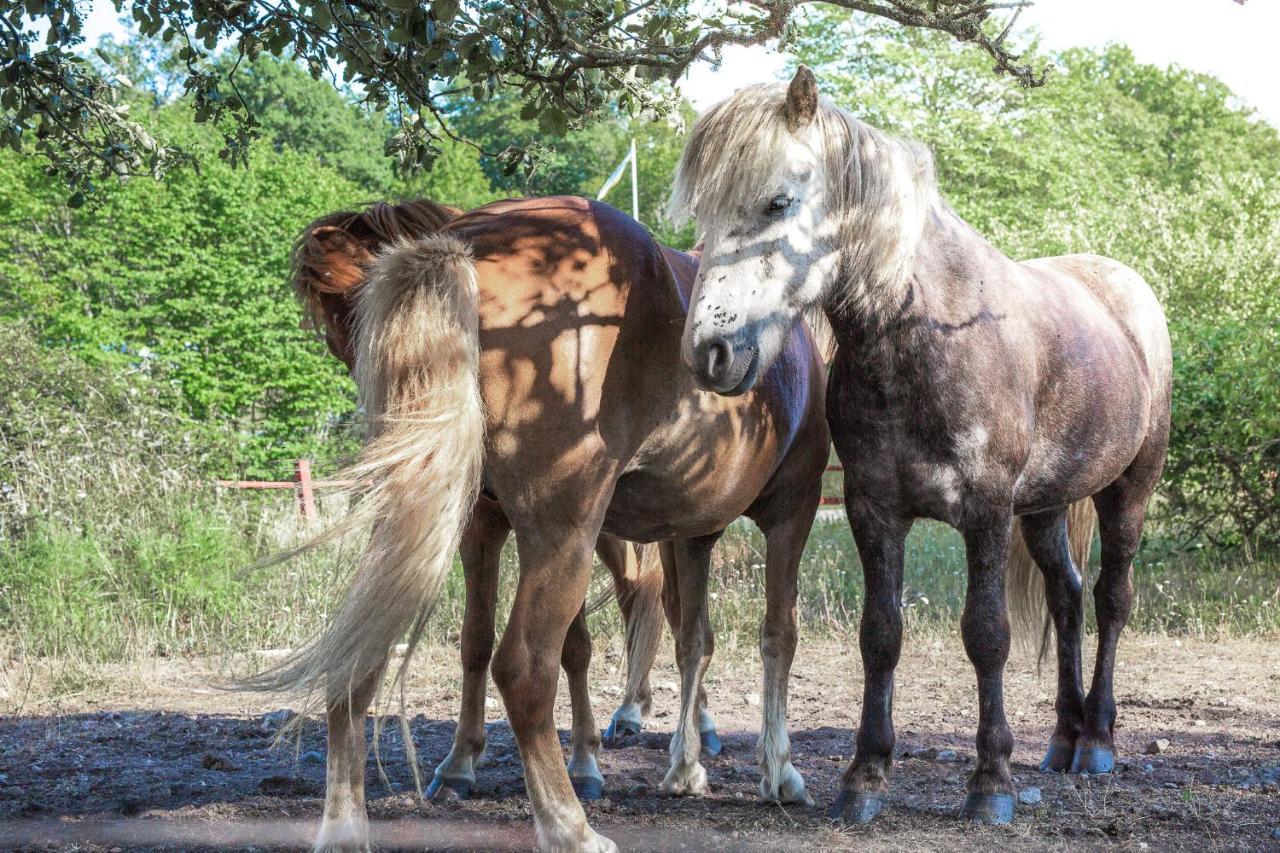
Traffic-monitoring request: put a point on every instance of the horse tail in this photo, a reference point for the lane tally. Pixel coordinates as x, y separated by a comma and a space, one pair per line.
1028, 607
417, 371
644, 628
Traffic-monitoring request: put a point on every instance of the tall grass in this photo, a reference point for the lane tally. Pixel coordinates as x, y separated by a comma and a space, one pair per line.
115, 545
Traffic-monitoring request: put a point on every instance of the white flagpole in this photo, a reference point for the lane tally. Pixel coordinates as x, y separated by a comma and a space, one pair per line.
612, 181
635, 184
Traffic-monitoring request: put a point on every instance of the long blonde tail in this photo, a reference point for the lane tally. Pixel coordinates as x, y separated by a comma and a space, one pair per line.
417, 371
1028, 609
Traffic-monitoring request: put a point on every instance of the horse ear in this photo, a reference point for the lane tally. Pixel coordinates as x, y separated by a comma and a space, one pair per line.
802, 100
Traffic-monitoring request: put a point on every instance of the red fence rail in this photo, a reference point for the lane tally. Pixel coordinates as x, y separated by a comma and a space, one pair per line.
304, 487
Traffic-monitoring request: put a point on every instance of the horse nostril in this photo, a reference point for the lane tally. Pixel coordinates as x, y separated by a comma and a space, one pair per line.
719, 357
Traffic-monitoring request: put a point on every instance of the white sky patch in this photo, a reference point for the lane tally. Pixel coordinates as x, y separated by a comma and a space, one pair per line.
1234, 43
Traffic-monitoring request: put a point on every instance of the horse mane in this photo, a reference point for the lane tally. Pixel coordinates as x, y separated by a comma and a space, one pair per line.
882, 188
332, 254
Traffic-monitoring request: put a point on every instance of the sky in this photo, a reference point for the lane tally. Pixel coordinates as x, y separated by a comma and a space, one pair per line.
1235, 43
1238, 44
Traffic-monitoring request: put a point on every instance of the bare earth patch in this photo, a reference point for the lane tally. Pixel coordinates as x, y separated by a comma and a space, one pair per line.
152, 756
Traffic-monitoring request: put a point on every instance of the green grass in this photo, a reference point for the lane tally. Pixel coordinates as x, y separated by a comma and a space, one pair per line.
169, 579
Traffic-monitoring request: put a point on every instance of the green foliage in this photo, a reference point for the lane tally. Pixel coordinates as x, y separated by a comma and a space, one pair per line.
455, 178
577, 162
296, 114
1154, 167
185, 280
573, 61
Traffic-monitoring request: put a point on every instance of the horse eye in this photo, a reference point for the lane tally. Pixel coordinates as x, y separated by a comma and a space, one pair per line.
778, 204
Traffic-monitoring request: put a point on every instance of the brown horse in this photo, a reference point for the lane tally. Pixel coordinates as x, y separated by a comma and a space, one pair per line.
330, 260
529, 352
967, 388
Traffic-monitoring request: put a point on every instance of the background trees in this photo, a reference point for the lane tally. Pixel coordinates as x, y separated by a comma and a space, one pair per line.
572, 61
181, 285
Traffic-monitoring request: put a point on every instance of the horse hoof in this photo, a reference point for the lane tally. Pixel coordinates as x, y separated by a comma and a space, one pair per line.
446, 788
1058, 759
856, 807
1093, 760
587, 787
711, 745
621, 727
989, 809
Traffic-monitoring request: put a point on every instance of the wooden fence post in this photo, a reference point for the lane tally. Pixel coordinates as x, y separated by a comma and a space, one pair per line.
306, 496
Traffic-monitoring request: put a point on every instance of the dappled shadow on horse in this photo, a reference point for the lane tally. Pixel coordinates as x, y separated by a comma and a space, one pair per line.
966, 387
529, 353
331, 260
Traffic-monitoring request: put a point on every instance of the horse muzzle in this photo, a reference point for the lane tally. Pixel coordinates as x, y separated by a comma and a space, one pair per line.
719, 365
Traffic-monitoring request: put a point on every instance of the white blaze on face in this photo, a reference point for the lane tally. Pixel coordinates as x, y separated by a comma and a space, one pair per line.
764, 264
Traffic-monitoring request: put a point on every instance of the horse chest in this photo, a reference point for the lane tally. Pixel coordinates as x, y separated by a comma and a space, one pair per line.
900, 452
696, 472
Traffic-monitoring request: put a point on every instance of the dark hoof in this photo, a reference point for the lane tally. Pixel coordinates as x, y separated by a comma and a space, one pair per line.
1093, 760
990, 809
711, 745
1058, 759
443, 788
588, 787
621, 727
856, 807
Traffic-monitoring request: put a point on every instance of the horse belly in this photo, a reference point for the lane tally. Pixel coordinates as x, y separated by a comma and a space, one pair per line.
697, 489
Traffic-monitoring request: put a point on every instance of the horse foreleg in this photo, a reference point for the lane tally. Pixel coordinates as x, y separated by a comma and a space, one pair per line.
984, 625
555, 570
779, 779
881, 541
584, 739
689, 561
481, 549
345, 826
637, 583
1046, 538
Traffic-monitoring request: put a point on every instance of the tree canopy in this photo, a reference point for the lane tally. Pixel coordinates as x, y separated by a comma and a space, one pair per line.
571, 61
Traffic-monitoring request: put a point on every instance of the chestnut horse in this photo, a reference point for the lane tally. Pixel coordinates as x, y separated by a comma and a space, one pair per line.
330, 260
529, 352
966, 387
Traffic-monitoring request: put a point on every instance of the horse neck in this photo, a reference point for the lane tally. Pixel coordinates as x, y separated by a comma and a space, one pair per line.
956, 273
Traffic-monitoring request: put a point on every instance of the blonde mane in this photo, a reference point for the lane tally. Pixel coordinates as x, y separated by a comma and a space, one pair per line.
882, 188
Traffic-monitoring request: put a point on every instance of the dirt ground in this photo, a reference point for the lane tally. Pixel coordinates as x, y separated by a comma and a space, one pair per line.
154, 757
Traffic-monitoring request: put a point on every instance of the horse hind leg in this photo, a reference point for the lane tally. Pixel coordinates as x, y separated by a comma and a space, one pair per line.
555, 570
637, 579
345, 825
1046, 538
481, 550
1122, 509
584, 740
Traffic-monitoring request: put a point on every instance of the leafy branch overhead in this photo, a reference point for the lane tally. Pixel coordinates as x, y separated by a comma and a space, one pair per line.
570, 60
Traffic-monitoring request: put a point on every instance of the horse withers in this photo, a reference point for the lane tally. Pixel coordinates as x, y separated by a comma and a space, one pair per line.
529, 352
967, 387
